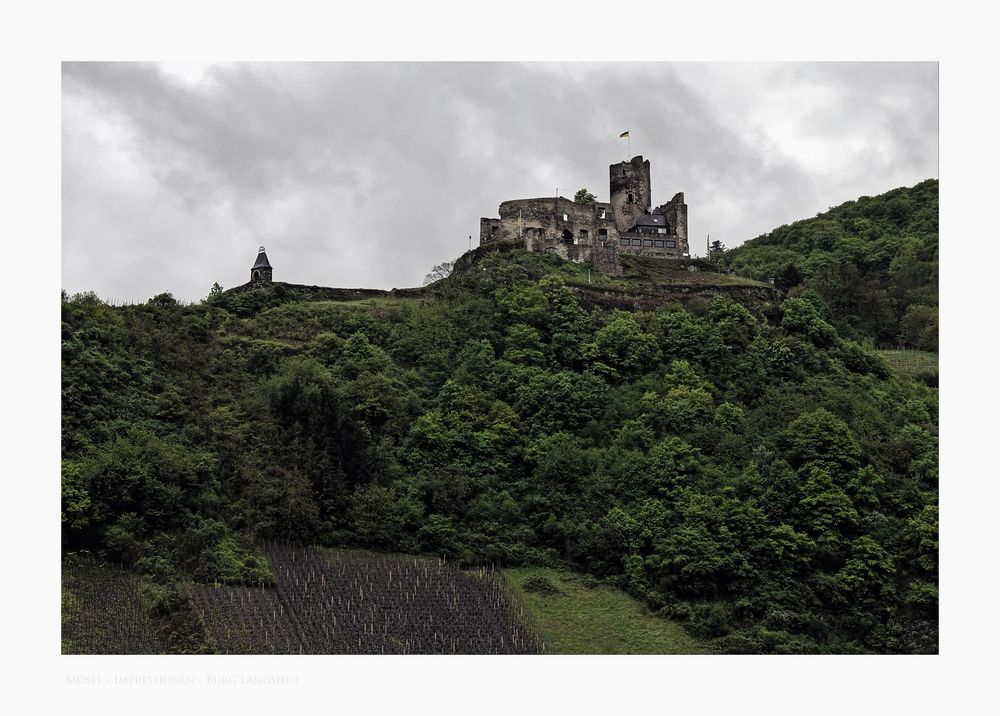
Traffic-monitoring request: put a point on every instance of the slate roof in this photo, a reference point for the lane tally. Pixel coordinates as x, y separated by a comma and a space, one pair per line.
261, 261
651, 220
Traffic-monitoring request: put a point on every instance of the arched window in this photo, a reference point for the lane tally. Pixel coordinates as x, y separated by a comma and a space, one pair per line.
256, 275
567, 236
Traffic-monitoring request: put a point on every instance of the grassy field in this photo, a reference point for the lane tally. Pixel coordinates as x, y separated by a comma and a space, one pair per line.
573, 618
911, 362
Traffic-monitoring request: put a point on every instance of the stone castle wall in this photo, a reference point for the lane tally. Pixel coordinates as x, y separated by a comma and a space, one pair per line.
577, 231
676, 212
630, 191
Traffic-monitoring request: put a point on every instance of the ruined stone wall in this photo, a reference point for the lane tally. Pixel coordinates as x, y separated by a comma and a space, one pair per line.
629, 178
605, 259
489, 230
676, 213
567, 252
546, 220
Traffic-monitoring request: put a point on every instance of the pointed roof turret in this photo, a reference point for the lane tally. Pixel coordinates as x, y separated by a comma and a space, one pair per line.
261, 261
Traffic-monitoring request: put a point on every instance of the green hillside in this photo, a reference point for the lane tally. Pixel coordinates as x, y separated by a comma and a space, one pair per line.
574, 615
873, 262
731, 461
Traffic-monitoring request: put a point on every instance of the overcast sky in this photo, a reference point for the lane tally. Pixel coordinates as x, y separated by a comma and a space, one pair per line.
367, 174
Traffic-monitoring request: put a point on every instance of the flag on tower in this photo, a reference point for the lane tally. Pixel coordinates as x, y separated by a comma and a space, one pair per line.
623, 135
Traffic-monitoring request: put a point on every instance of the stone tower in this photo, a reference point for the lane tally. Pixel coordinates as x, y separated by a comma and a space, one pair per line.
260, 272
630, 192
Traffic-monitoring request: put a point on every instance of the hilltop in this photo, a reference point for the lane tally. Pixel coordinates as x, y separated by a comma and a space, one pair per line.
645, 283
873, 263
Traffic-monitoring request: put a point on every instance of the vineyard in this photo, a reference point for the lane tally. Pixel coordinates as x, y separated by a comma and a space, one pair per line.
103, 611
336, 602
322, 602
911, 362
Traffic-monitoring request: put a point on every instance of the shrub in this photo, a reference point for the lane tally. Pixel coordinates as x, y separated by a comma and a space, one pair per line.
540, 584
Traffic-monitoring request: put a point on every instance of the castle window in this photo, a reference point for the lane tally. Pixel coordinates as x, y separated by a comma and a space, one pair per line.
568, 237
625, 242
671, 244
604, 213
658, 244
647, 242
661, 231
603, 233
630, 199
565, 217
584, 234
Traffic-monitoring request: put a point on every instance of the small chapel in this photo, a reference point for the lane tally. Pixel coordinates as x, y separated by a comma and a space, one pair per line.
260, 272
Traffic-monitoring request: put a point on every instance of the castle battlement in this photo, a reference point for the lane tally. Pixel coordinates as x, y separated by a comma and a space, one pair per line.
599, 231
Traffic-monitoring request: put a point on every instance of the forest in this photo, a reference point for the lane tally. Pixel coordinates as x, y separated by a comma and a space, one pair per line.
751, 469
873, 261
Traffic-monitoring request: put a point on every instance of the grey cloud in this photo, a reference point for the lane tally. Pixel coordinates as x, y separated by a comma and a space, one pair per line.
365, 174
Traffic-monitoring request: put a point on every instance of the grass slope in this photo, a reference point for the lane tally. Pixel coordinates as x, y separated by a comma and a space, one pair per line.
581, 619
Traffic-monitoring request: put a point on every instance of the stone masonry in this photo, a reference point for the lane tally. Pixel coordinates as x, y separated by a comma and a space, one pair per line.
260, 272
597, 232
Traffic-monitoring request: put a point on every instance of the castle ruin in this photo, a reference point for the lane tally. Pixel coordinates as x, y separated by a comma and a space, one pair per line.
597, 232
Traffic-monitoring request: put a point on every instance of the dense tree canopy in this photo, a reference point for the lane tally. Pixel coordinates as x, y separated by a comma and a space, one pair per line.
872, 263
743, 468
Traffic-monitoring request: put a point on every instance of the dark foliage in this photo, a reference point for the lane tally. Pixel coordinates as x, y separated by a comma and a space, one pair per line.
745, 469
872, 262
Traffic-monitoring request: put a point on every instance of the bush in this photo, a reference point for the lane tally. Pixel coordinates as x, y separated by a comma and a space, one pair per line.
540, 584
